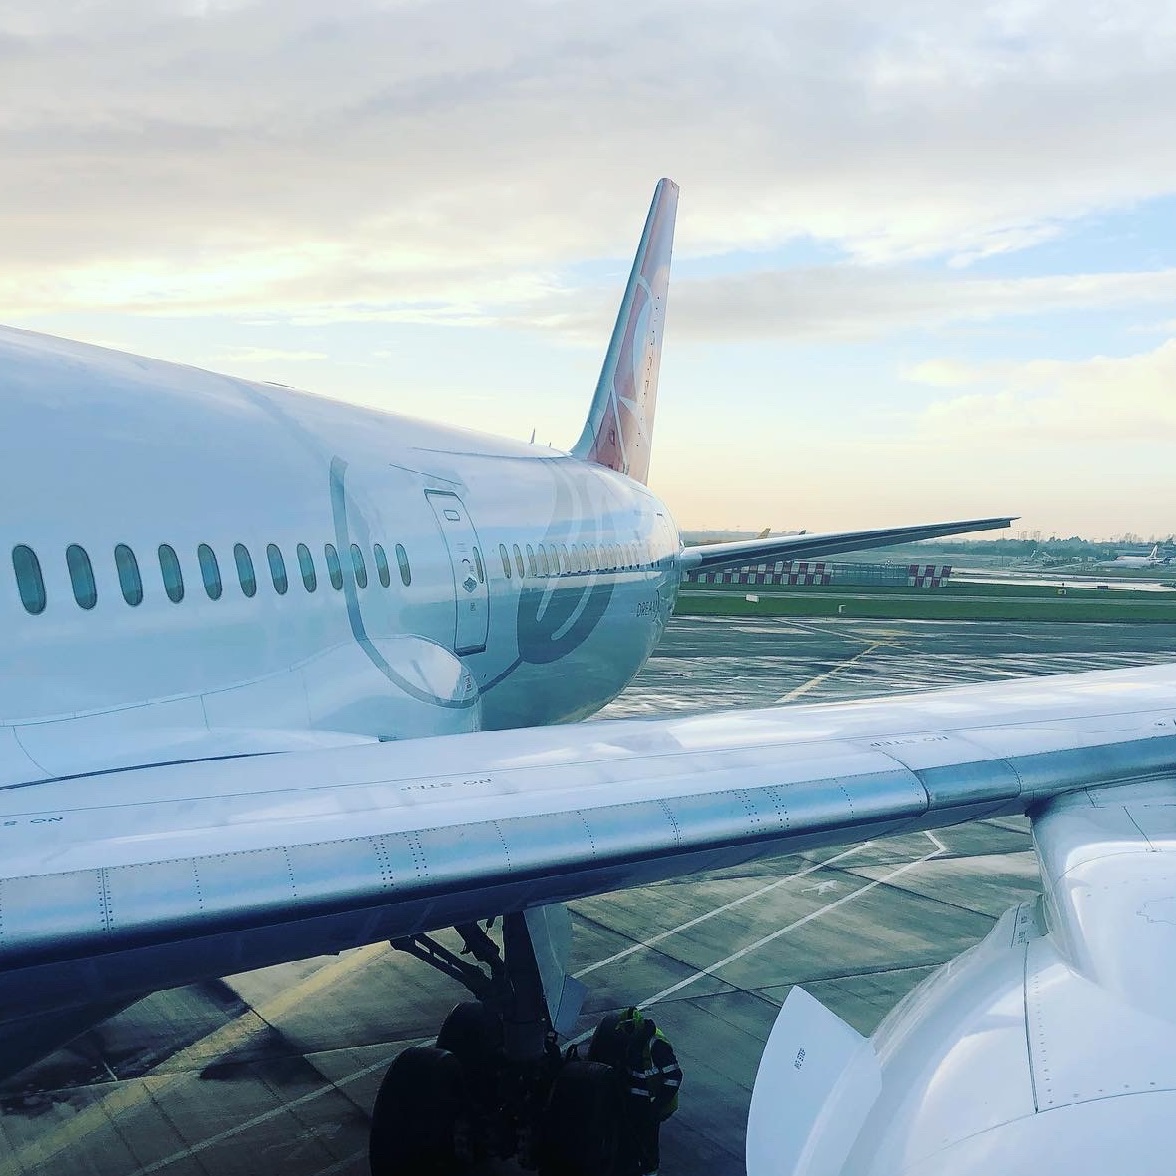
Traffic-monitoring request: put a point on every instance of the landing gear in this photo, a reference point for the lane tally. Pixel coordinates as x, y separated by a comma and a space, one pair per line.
496, 1086
582, 1125
414, 1121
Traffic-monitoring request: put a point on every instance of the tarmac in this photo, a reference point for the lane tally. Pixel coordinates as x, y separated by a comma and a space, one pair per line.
275, 1071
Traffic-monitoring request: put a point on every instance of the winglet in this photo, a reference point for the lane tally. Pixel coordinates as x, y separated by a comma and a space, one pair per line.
619, 428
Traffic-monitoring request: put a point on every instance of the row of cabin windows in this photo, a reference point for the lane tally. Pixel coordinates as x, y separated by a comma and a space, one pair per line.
545, 560
31, 584
563, 559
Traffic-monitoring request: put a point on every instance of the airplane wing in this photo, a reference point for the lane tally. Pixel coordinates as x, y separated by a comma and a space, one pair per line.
202, 869
727, 555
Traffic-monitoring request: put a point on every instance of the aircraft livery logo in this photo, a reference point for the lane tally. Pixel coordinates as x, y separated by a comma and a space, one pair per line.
556, 618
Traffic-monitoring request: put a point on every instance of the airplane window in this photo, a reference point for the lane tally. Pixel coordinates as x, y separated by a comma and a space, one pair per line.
405, 570
306, 565
245, 572
129, 579
543, 563
481, 567
210, 571
81, 576
333, 568
359, 566
531, 560
519, 560
173, 578
277, 566
382, 565
505, 559
29, 581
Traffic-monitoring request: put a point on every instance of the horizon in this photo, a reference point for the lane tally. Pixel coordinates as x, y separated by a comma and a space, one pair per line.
924, 266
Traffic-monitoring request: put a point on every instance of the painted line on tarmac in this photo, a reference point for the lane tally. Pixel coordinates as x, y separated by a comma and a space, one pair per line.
828, 631
719, 910
673, 989
264, 1117
105, 1112
813, 683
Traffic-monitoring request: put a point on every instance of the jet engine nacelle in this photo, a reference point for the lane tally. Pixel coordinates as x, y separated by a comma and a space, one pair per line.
1048, 1047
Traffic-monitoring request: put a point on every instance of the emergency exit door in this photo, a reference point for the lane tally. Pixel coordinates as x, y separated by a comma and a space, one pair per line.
471, 592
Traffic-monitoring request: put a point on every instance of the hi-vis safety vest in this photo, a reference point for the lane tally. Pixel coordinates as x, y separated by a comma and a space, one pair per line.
654, 1073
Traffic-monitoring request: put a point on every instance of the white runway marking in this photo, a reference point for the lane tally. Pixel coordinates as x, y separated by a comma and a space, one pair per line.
774, 935
719, 910
841, 667
106, 1111
264, 1117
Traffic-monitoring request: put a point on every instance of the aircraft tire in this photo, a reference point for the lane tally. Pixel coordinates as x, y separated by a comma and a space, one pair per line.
473, 1034
582, 1124
416, 1114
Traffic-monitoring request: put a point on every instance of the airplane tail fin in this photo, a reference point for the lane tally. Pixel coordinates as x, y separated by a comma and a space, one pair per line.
619, 428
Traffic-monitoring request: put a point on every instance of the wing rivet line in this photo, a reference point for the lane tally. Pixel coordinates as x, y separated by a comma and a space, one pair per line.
383, 860
673, 823
587, 829
505, 847
290, 871
199, 889
417, 850
104, 900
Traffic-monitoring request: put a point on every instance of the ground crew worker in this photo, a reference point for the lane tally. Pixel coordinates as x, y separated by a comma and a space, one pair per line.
654, 1077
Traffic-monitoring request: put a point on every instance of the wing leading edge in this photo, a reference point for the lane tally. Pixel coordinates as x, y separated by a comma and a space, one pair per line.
212, 868
727, 555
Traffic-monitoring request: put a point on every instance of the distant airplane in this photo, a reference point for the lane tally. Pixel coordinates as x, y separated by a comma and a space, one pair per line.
1151, 560
283, 676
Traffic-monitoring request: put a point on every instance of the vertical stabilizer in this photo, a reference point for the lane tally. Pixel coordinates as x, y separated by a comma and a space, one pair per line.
619, 428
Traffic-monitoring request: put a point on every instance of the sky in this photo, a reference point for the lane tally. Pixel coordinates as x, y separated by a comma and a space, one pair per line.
925, 263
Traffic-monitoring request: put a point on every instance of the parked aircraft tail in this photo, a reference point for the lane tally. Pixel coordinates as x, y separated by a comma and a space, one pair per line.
619, 428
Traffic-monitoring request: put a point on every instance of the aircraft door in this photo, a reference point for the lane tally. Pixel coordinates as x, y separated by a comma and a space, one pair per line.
471, 592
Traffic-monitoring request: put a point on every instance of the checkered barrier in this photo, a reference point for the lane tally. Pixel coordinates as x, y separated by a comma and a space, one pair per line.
927, 575
804, 573
781, 572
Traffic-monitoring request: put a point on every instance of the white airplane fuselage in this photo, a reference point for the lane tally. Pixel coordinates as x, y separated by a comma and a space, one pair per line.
575, 564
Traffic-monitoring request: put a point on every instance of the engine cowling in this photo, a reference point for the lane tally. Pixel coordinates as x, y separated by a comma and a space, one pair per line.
1048, 1047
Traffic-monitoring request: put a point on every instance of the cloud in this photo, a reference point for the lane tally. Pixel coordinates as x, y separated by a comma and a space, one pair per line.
230, 154
847, 302
1102, 401
269, 355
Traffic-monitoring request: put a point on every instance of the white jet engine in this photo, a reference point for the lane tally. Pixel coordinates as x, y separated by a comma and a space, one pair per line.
1049, 1047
